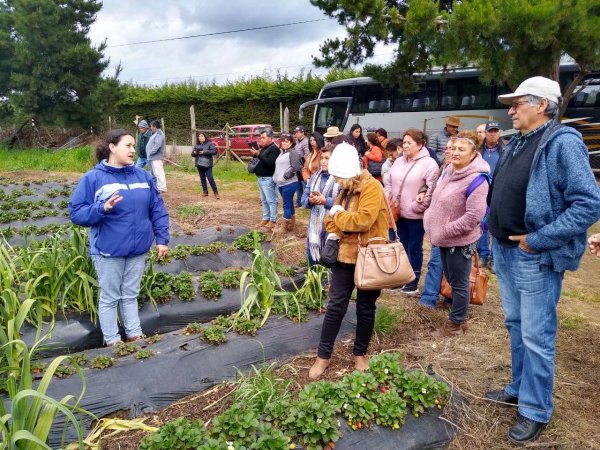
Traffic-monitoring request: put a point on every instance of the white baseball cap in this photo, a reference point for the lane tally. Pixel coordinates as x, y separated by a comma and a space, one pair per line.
538, 86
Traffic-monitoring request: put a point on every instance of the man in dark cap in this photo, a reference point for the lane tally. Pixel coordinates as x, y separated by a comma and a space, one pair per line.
144, 134
302, 149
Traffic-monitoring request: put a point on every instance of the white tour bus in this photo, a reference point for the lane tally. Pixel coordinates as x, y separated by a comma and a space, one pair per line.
439, 95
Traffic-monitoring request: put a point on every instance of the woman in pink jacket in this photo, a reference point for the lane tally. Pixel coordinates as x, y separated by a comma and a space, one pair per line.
453, 222
409, 172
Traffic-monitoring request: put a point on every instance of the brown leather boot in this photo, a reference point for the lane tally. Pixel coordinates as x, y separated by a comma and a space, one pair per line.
361, 363
269, 226
217, 195
318, 368
450, 329
289, 224
262, 223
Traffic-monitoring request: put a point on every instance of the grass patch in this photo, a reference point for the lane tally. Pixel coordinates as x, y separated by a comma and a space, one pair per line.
386, 320
573, 322
190, 211
588, 297
70, 160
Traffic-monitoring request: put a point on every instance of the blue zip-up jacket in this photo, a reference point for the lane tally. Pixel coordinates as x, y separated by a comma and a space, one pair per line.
562, 199
132, 225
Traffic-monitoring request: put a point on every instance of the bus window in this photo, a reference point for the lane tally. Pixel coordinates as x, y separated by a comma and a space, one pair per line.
589, 96
330, 114
341, 91
425, 99
371, 98
465, 93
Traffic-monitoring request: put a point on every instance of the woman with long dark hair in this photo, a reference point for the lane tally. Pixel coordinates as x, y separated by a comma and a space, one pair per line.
355, 137
203, 153
312, 162
126, 214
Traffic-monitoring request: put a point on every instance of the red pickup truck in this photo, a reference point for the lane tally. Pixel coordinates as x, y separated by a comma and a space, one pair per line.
240, 137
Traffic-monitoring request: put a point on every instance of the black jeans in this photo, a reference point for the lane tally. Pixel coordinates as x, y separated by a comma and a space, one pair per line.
457, 269
342, 285
206, 172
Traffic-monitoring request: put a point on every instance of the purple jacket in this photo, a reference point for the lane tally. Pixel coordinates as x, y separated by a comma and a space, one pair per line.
452, 219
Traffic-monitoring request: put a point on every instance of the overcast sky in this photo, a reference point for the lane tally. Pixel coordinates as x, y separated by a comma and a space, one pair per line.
221, 58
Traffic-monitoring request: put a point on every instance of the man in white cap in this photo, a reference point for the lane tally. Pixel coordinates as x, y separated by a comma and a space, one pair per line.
144, 134
543, 198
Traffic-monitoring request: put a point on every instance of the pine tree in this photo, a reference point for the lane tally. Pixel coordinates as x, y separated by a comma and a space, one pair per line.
509, 40
53, 72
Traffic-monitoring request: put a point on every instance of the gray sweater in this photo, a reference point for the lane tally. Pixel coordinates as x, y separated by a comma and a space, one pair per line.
286, 166
155, 148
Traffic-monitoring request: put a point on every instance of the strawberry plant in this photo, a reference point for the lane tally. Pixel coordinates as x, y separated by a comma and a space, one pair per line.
213, 335
210, 285
178, 434
102, 362
391, 409
78, 358
422, 391
153, 339
180, 251
245, 326
124, 349
192, 328
162, 285
222, 321
329, 391
313, 422
63, 371
246, 242
270, 438
387, 368
144, 354
37, 367
230, 278
239, 424
183, 285
360, 390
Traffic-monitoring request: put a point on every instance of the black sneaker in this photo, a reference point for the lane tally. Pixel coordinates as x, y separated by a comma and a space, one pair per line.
408, 290
525, 430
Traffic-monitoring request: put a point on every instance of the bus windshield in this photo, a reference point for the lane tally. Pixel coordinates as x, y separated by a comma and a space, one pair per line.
331, 114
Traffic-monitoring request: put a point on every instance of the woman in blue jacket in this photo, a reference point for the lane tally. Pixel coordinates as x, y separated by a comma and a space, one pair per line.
126, 214
203, 152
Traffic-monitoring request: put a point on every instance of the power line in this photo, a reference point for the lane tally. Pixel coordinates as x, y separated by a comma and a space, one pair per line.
219, 33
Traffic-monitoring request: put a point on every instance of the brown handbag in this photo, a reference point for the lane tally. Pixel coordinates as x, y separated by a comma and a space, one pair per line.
478, 281
395, 207
382, 264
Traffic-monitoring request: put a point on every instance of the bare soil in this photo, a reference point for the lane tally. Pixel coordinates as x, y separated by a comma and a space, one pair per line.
473, 363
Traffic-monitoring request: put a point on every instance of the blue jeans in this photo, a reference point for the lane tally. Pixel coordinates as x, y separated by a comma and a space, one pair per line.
411, 232
530, 294
119, 280
299, 191
268, 197
287, 198
433, 279
143, 162
483, 245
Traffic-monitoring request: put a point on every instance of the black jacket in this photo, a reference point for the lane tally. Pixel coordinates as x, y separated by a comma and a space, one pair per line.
267, 158
208, 149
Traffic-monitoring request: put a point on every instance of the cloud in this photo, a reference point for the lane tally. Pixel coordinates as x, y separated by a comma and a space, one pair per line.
220, 58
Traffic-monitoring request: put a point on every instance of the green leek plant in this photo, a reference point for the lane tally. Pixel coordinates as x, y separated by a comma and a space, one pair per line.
26, 424
261, 286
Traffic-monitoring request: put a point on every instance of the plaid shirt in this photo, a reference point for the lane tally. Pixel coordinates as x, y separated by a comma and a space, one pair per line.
522, 139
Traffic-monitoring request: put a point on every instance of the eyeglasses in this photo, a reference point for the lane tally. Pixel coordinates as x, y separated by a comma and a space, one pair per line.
515, 105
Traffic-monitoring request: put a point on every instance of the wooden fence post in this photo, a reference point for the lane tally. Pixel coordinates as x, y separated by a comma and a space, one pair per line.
193, 124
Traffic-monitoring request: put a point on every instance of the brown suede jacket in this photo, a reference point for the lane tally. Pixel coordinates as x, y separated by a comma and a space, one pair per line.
366, 215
